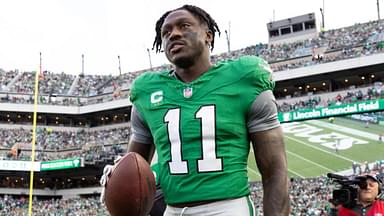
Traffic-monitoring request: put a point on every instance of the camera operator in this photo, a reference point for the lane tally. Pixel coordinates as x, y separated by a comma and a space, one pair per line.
367, 203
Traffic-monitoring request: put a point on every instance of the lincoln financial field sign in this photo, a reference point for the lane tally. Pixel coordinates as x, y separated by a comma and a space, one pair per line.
345, 109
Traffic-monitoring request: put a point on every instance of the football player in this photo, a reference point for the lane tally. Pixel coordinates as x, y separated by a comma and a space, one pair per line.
201, 117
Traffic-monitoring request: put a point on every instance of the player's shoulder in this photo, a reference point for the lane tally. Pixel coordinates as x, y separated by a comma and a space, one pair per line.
247, 60
248, 64
254, 70
250, 61
147, 78
146, 82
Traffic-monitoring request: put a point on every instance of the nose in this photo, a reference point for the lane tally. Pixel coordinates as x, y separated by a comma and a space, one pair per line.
175, 33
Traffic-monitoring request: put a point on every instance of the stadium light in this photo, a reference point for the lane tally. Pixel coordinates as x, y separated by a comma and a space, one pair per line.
322, 11
228, 37
322, 19
118, 58
82, 64
149, 57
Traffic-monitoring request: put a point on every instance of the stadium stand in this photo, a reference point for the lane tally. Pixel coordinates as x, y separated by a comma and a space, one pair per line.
333, 45
18, 206
332, 98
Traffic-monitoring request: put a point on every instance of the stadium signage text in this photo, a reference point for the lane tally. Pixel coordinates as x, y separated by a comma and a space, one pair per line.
60, 164
367, 106
19, 165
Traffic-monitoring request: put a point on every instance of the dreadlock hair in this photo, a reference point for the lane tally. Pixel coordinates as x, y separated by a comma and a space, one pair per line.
201, 14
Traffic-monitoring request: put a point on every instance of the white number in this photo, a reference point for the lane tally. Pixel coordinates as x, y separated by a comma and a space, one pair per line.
209, 161
176, 165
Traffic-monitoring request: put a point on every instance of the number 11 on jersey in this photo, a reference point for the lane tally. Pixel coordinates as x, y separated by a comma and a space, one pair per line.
209, 162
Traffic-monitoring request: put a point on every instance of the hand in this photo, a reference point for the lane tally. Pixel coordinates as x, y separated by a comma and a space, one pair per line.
108, 169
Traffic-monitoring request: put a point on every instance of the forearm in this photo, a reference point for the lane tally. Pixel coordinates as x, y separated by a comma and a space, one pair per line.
276, 198
145, 150
271, 160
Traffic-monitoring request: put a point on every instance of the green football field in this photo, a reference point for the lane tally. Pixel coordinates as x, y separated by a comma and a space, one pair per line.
311, 147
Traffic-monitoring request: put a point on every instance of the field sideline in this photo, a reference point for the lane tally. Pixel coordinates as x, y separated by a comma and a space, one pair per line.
310, 147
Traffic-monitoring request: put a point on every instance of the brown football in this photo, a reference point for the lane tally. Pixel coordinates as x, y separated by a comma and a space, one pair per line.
131, 187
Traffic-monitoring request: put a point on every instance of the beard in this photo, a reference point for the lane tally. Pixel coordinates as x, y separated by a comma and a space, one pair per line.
184, 62
190, 58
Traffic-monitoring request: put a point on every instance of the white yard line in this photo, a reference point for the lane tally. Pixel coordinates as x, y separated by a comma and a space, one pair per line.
333, 154
309, 161
252, 170
343, 129
301, 176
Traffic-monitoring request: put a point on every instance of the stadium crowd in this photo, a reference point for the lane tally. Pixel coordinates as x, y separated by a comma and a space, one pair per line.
308, 197
53, 207
316, 101
360, 168
54, 140
333, 45
58, 144
349, 42
49, 83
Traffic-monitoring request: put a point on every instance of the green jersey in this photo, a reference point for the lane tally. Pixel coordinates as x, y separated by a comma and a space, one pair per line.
155, 170
200, 128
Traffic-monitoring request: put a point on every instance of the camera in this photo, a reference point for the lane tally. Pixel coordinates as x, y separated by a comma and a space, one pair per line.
346, 191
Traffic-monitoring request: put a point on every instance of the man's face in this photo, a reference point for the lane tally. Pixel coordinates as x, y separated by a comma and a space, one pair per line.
369, 194
184, 38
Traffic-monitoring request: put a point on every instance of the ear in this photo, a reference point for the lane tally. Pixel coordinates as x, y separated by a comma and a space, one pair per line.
209, 37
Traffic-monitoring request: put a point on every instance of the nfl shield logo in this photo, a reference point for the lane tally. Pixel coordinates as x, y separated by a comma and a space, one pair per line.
187, 92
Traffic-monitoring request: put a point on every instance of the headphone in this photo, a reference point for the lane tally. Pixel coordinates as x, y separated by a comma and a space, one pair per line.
377, 179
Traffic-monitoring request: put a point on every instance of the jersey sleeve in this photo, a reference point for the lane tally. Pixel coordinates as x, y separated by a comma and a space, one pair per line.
139, 129
263, 113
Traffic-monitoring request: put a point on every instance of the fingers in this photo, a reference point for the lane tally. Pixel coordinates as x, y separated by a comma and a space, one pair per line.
107, 171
